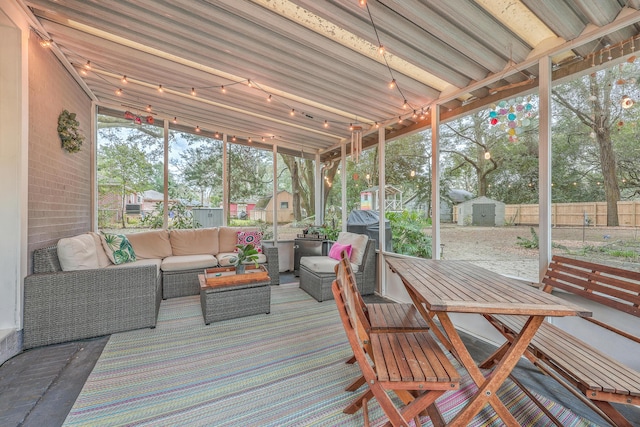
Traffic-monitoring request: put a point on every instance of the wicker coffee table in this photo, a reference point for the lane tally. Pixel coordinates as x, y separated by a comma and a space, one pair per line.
223, 299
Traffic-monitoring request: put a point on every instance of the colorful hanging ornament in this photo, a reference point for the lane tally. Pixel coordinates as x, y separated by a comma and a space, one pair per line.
513, 116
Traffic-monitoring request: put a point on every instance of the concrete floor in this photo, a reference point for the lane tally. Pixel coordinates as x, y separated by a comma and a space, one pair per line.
39, 386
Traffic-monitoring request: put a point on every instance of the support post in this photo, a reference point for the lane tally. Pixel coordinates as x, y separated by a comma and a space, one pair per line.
435, 182
382, 201
544, 154
225, 181
275, 194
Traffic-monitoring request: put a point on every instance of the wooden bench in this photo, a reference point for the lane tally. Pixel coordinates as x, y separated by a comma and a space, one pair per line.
412, 365
600, 379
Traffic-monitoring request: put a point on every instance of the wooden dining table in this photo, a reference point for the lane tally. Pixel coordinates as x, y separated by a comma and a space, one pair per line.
441, 287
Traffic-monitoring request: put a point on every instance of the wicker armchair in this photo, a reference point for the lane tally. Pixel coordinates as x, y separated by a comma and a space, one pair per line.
318, 284
63, 306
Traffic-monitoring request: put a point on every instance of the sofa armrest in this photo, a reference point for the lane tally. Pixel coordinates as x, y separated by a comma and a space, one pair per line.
273, 264
70, 305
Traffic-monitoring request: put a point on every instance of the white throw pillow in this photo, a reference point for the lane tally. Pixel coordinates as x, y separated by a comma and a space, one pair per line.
77, 253
103, 259
358, 244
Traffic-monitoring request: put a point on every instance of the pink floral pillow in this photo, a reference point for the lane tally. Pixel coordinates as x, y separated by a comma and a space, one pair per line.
253, 237
337, 249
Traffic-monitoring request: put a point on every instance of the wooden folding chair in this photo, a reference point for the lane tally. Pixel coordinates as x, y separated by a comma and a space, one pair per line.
411, 364
381, 317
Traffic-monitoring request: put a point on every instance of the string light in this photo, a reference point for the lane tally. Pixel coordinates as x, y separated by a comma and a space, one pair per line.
160, 89
405, 104
392, 84
83, 71
217, 135
46, 43
124, 80
292, 112
118, 91
326, 124
377, 125
149, 108
249, 83
269, 98
249, 140
233, 138
381, 50
88, 65
415, 114
175, 120
198, 129
193, 91
222, 89
262, 139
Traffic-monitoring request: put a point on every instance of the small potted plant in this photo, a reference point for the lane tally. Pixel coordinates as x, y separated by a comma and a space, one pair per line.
246, 253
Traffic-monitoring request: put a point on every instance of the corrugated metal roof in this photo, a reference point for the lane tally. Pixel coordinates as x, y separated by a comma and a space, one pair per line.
297, 72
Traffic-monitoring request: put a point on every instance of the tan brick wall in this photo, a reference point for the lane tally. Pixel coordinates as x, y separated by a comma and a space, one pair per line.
59, 182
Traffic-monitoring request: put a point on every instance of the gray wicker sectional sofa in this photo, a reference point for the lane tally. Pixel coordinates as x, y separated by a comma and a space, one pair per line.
85, 302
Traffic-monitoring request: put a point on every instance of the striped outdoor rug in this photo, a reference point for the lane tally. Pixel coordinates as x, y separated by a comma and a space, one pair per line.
282, 369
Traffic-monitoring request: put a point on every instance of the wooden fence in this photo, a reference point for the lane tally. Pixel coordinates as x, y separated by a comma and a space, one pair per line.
575, 214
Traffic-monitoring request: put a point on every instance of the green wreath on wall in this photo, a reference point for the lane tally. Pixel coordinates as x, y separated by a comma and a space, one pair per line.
69, 133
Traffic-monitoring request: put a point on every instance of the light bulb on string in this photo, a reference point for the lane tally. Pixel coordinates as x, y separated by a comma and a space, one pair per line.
83, 71
88, 65
399, 119
198, 129
233, 138
118, 91
124, 80
405, 104
392, 83
149, 108
175, 120
292, 112
222, 89
326, 124
217, 135
249, 83
377, 125
46, 43
262, 139
487, 155
193, 91
269, 98
249, 140
381, 50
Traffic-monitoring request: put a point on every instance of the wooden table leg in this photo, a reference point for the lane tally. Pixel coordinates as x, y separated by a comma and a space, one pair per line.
488, 387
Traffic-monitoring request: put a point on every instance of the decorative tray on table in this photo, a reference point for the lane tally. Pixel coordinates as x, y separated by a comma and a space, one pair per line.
227, 275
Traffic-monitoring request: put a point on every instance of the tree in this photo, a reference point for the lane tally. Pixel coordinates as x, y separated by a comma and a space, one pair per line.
589, 99
125, 167
473, 148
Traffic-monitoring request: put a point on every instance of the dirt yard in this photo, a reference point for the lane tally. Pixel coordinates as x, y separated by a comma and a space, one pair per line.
496, 248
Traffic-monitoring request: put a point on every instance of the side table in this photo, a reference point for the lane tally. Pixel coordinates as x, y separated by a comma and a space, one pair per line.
230, 301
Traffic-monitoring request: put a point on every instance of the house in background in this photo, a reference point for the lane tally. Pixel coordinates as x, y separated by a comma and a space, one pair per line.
264, 208
241, 210
393, 198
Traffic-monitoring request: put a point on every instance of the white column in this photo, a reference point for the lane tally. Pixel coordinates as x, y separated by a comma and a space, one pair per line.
319, 187
165, 214
225, 180
94, 167
382, 202
435, 181
544, 171
275, 194
343, 182
14, 162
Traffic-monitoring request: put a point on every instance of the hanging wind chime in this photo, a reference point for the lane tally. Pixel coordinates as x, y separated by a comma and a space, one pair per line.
356, 142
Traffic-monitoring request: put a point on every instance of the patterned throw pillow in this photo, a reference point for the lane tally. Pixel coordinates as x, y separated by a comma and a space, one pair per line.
254, 237
118, 248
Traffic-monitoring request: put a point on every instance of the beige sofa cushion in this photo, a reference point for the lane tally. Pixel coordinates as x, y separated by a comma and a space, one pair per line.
188, 262
77, 253
358, 244
151, 244
224, 259
139, 263
103, 259
323, 264
194, 242
228, 237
